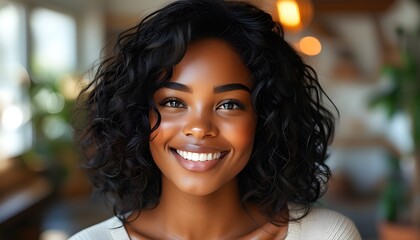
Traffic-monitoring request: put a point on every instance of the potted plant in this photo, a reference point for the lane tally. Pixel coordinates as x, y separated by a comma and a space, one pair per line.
404, 96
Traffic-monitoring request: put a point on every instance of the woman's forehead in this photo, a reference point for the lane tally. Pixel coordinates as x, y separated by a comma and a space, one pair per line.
214, 60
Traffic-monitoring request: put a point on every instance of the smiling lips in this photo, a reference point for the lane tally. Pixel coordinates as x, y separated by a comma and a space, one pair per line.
199, 157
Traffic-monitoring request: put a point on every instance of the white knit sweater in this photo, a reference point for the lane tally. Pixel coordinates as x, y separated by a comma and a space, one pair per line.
319, 224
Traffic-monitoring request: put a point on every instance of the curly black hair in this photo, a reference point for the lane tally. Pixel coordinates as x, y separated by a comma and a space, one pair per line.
293, 129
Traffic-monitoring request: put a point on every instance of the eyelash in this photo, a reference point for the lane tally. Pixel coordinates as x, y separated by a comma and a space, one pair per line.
167, 103
229, 104
233, 103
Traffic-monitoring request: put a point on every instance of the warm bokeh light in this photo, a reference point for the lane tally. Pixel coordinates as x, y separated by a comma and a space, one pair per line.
289, 13
295, 15
310, 46
68, 86
54, 235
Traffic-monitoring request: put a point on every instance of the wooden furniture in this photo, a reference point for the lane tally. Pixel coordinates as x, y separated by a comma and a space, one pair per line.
24, 195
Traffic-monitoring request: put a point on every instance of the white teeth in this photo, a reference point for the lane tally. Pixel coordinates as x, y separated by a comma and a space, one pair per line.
199, 157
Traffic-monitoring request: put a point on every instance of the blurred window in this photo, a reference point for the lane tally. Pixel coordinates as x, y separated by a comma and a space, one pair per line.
15, 130
54, 44
50, 54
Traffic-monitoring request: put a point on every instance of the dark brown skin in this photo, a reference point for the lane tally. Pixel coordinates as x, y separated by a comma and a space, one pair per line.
204, 113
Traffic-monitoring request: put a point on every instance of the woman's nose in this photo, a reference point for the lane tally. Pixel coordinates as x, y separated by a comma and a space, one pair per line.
200, 126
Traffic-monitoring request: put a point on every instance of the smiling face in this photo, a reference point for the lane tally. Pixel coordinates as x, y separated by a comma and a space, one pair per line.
208, 122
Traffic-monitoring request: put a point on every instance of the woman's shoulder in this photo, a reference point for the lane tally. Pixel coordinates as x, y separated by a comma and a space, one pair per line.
321, 223
111, 229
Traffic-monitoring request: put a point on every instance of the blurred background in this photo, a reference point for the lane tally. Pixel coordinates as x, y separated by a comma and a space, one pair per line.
367, 56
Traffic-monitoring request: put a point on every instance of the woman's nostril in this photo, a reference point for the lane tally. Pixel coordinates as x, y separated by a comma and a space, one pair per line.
200, 132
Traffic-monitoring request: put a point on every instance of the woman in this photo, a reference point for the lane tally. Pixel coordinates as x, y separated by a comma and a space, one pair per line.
206, 124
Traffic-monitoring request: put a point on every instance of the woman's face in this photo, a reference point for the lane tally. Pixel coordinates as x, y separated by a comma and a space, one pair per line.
208, 122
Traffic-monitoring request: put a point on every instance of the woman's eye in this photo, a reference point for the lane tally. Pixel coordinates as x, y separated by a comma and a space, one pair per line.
230, 106
173, 103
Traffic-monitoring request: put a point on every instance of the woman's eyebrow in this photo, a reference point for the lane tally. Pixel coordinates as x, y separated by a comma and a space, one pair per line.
231, 87
218, 89
178, 86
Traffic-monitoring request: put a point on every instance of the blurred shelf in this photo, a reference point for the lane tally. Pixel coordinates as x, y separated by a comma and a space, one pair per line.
340, 6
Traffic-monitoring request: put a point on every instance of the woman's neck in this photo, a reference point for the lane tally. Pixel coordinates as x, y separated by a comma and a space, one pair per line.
179, 215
